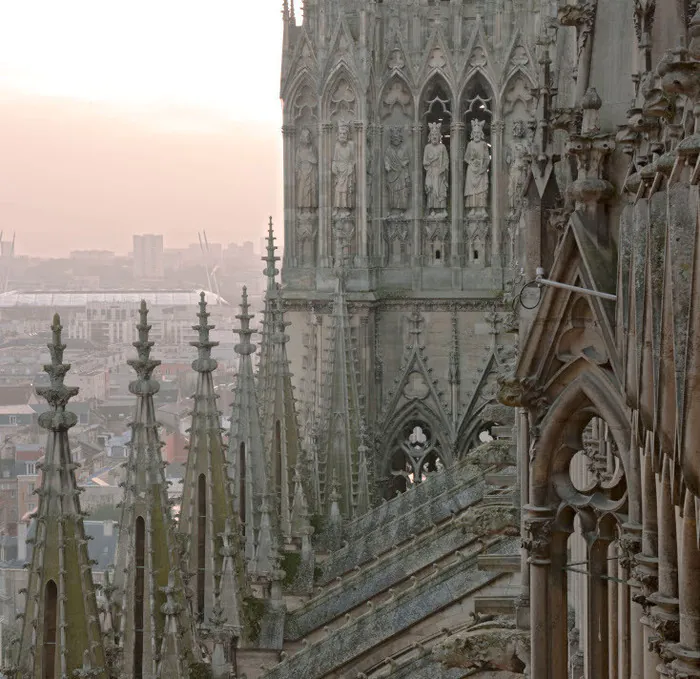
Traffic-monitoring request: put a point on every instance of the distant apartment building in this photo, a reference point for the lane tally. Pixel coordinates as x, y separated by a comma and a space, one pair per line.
148, 257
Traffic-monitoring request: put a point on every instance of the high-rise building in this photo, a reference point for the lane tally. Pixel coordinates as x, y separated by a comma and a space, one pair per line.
148, 256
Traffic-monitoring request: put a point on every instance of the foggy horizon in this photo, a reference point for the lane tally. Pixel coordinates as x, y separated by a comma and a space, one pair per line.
104, 137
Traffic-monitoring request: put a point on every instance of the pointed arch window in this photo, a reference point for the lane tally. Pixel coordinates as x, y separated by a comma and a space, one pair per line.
416, 455
50, 625
201, 542
139, 586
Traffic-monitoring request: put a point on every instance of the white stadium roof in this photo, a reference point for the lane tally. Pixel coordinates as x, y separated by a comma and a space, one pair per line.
62, 300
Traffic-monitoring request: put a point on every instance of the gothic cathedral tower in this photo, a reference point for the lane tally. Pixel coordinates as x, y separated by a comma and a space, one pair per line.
409, 127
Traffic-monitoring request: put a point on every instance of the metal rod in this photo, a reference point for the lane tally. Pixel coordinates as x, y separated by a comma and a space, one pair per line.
593, 575
574, 288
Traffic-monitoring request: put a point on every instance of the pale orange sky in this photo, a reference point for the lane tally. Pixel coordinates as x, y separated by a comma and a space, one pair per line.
133, 116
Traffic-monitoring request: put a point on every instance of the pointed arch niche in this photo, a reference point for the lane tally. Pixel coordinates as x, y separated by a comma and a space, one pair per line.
342, 163
436, 191
478, 170
518, 104
397, 169
301, 155
415, 447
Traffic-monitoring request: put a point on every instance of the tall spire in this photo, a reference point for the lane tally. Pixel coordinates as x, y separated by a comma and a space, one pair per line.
268, 323
147, 575
61, 627
280, 426
206, 514
246, 454
342, 422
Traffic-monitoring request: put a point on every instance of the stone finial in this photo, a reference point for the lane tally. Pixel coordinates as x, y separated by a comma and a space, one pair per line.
591, 104
245, 347
144, 365
57, 394
415, 320
204, 362
270, 258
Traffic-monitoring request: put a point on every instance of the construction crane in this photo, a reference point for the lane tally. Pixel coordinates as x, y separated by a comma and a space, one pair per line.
212, 281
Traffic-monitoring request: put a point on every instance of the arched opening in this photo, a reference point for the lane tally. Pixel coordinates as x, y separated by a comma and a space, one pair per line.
50, 625
139, 584
201, 542
278, 455
416, 454
241, 486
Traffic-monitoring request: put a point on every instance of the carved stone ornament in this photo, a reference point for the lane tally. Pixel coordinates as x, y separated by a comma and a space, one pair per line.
540, 531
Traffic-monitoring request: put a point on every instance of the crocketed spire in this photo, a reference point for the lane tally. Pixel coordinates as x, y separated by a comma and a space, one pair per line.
206, 516
148, 579
266, 369
246, 454
342, 421
61, 632
280, 426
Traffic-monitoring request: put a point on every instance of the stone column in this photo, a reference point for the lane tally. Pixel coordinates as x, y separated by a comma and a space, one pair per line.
687, 651
497, 127
325, 198
418, 202
457, 199
539, 526
523, 430
613, 623
630, 544
647, 562
361, 198
597, 650
288, 137
376, 223
623, 616
665, 600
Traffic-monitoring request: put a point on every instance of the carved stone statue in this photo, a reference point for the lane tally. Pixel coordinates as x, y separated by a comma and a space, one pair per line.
343, 169
396, 164
436, 163
518, 157
306, 172
478, 158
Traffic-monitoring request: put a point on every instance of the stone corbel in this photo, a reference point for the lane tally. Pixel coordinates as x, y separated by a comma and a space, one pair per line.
581, 15
538, 544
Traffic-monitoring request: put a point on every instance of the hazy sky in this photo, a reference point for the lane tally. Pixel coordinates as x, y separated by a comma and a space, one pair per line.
138, 116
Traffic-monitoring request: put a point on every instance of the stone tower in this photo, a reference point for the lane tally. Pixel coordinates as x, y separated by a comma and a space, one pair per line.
61, 632
409, 127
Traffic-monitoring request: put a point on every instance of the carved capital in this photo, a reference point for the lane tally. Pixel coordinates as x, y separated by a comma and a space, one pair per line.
630, 545
540, 537
288, 130
643, 20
